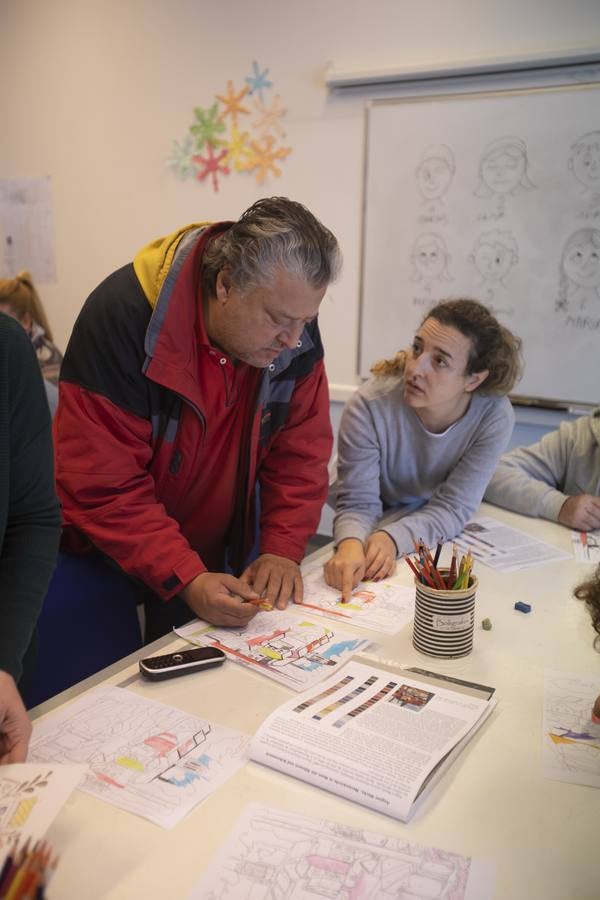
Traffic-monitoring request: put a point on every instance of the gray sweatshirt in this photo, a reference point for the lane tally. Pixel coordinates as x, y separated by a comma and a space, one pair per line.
536, 480
429, 484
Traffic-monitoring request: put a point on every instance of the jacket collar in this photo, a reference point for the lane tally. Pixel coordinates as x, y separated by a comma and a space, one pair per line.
176, 328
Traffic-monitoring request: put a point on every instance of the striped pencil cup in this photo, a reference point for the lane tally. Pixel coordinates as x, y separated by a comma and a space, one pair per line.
444, 620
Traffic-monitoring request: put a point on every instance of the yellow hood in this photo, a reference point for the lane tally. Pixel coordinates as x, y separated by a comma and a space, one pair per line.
152, 263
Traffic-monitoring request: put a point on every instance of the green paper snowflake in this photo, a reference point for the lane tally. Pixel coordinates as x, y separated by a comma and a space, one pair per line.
208, 125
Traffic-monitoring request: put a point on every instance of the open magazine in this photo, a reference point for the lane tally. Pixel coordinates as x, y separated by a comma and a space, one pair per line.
378, 736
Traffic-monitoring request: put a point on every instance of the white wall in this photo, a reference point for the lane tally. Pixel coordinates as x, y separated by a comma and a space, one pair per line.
93, 93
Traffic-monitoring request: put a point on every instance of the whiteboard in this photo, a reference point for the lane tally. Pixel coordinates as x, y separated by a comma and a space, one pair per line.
494, 196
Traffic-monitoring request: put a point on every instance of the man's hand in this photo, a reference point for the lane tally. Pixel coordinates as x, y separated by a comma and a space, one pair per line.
581, 513
15, 727
346, 567
219, 599
276, 578
381, 556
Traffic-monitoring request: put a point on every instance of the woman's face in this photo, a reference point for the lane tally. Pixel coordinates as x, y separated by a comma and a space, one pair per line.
582, 265
435, 372
503, 170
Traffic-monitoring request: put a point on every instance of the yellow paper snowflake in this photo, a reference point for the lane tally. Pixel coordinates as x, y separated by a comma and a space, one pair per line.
239, 152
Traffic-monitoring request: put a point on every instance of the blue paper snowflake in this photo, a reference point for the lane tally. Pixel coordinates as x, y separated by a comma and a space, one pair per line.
258, 82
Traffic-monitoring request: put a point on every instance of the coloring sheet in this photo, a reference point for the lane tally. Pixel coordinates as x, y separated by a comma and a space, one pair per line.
586, 546
145, 757
570, 740
380, 606
31, 796
289, 647
277, 853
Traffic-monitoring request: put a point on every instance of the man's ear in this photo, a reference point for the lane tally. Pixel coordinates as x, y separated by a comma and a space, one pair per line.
223, 286
475, 380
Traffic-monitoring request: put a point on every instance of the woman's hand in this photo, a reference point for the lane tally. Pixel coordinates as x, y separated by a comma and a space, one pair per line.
381, 556
346, 567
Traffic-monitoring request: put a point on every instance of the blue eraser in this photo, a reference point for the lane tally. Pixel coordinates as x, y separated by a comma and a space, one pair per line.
523, 607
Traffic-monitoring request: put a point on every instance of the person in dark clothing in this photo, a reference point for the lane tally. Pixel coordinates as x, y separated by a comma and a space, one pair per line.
29, 524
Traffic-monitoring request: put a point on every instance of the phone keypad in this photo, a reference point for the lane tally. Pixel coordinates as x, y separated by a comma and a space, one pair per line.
165, 662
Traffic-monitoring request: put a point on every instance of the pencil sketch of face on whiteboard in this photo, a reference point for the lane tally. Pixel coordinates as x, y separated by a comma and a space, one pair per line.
584, 163
503, 169
430, 259
435, 172
579, 287
493, 256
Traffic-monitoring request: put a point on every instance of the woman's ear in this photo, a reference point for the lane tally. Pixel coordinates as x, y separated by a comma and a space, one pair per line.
475, 380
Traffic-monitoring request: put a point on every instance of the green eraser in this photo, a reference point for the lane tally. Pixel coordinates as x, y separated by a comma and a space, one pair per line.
486, 624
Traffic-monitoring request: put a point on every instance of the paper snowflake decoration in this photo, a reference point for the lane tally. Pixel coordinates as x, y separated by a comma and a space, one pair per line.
268, 118
225, 145
181, 162
211, 165
258, 82
207, 126
232, 103
264, 158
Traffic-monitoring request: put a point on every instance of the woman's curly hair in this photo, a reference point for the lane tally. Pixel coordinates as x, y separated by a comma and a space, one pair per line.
589, 592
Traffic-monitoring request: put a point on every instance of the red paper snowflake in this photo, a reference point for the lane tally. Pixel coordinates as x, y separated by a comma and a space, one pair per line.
211, 165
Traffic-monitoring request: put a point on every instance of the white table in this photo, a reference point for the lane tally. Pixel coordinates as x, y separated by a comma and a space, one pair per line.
493, 802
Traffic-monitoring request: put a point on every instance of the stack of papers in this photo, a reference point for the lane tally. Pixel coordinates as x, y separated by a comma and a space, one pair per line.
505, 549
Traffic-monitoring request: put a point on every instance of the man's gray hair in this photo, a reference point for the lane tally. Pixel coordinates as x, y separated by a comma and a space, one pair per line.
274, 233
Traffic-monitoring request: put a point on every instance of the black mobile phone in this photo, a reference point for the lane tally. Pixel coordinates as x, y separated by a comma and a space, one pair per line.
170, 665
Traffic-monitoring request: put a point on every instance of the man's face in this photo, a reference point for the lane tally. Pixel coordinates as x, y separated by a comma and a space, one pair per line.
254, 326
433, 177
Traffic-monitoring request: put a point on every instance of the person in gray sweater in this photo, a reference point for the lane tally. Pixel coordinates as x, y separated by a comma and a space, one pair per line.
558, 478
420, 441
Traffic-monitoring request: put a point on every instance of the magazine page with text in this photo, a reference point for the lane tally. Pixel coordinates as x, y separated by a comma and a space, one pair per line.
369, 734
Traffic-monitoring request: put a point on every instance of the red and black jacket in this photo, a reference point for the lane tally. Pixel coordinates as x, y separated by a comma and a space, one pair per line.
124, 454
